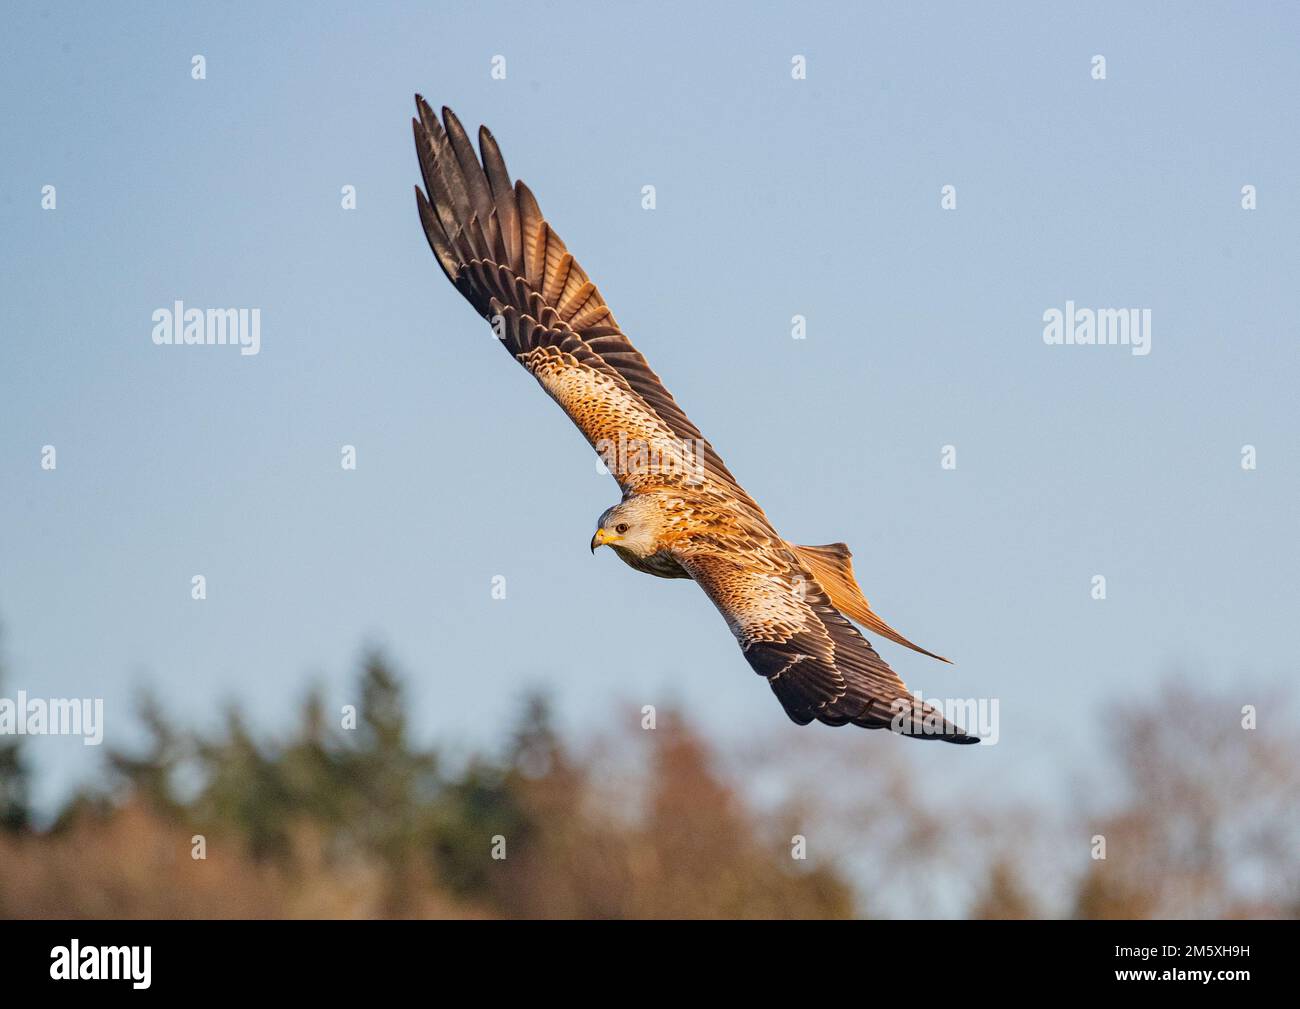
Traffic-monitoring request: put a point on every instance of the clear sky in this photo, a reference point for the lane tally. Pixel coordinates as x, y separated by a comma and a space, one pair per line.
775, 197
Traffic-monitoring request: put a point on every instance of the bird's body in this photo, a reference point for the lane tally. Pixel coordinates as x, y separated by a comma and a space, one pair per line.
682, 515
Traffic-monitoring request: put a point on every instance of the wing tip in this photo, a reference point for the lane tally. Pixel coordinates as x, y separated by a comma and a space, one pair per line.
950, 734
486, 139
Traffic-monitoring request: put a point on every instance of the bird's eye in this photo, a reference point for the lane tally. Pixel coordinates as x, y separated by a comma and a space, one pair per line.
621, 528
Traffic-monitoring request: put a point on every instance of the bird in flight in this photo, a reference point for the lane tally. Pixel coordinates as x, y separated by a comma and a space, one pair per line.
682, 514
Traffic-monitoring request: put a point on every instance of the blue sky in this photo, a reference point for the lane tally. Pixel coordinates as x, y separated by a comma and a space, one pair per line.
775, 197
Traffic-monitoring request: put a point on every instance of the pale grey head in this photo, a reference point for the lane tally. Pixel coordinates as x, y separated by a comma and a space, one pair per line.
634, 526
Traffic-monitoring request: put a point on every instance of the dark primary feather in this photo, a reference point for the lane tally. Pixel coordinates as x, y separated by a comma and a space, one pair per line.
493, 243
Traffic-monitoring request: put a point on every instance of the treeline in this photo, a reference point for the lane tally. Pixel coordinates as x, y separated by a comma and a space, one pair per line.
1197, 812
365, 822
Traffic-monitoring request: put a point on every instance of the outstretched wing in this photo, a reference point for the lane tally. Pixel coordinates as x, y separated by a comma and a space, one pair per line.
816, 662
492, 242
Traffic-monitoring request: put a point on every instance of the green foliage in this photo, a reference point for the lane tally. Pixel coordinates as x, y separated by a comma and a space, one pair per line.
14, 809
355, 816
368, 801
14, 784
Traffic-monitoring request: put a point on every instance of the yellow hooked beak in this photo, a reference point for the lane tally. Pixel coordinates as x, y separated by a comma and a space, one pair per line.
601, 538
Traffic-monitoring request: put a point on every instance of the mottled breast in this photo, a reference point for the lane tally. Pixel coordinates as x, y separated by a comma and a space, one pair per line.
660, 564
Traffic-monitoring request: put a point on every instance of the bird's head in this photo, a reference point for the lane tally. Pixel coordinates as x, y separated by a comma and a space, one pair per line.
632, 526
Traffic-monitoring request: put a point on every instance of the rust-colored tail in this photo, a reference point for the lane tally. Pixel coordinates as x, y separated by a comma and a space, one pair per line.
832, 566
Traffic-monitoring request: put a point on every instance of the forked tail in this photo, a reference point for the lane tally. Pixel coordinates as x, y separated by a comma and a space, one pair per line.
832, 566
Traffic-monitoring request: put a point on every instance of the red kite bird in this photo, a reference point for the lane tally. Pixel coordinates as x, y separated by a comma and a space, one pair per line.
683, 515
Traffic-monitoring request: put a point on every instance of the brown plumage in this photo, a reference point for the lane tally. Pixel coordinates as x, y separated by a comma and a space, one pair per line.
683, 515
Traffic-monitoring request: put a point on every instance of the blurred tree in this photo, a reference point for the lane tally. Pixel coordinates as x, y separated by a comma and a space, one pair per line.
704, 856
361, 820
1209, 821
15, 812
388, 785
150, 774
499, 800
1004, 897
244, 789
15, 782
